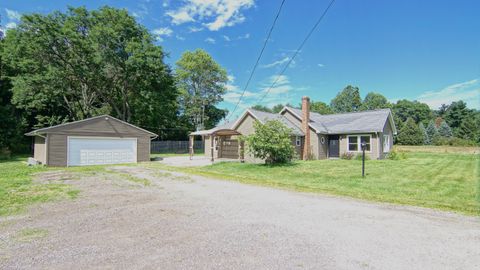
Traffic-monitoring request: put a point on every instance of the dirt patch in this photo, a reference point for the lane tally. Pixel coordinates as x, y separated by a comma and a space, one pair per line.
190, 222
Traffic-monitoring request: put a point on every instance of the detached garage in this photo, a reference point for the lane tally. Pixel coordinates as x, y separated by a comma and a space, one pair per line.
93, 141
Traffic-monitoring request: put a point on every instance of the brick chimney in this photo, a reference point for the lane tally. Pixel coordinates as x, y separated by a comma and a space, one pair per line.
305, 127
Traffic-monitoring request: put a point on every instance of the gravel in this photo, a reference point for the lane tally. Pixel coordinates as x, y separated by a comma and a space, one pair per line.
191, 222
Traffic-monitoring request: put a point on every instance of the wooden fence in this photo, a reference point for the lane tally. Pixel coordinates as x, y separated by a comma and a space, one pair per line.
178, 147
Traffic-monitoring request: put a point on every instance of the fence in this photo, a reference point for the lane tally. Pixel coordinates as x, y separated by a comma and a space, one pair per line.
174, 146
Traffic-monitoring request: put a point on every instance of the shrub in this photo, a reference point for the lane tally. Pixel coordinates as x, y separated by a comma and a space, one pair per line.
5, 153
347, 155
395, 155
271, 141
359, 156
453, 141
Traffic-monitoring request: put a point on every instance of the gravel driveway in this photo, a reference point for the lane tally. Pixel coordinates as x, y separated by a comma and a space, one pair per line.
190, 222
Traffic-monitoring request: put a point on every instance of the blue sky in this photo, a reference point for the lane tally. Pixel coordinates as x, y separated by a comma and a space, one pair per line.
424, 50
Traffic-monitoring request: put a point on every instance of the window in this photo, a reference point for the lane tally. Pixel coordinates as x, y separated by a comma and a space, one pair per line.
355, 143
298, 140
386, 143
352, 143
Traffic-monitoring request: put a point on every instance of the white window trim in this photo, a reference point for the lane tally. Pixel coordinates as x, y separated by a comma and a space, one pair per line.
359, 143
298, 141
388, 140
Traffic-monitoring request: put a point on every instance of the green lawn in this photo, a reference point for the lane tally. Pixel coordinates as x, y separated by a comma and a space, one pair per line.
448, 181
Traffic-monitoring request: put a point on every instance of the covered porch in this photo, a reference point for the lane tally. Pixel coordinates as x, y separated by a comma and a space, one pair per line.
220, 144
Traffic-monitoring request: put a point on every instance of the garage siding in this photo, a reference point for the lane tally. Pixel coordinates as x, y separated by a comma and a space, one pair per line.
39, 149
57, 150
143, 149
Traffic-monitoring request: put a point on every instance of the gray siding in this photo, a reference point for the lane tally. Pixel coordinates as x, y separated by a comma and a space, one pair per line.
39, 149
57, 150
374, 146
143, 149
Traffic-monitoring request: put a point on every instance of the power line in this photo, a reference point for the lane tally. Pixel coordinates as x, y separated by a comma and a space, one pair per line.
258, 59
297, 51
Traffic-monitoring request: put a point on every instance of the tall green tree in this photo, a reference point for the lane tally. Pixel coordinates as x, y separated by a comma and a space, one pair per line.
410, 134
469, 130
456, 113
374, 101
419, 112
320, 107
426, 138
348, 100
432, 132
444, 130
277, 108
201, 81
77, 64
262, 108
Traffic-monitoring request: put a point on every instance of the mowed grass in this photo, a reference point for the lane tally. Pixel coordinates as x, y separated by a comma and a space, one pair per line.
448, 181
17, 190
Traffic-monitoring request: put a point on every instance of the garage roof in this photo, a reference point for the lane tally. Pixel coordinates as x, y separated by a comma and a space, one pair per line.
78, 125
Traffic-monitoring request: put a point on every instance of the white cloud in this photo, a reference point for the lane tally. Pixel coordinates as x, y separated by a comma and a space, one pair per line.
210, 40
246, 36
179, 37
468, 91
162, 32
277, 63
227, 38
194, 29
13, 15
320, 65
11, 25
213, 14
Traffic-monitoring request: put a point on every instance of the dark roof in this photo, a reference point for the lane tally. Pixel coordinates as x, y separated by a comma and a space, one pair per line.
51, 129
354, 122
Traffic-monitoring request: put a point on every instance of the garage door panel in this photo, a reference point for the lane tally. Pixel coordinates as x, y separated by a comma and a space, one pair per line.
98, 151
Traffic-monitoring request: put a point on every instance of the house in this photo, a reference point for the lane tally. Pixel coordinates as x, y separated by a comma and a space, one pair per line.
314, 136
97, 140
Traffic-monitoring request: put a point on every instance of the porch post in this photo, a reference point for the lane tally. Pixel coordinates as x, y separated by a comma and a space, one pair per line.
241, 151
212, 145
191, 142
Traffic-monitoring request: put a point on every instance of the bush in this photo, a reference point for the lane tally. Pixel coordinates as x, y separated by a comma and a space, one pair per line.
347, 155
271, 142
5, 153
395, 155
453, 141
359, 156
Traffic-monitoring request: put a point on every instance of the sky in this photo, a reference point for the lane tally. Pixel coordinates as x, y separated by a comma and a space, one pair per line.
419, 50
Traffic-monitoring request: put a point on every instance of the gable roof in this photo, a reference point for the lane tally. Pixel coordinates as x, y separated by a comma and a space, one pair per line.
354, 122
66, 126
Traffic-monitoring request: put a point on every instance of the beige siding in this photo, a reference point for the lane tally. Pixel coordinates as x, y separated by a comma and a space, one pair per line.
292, 118
207, 146
57, 150
387, 130
245, 127
374, 149
143, 149
39, 149
322, 147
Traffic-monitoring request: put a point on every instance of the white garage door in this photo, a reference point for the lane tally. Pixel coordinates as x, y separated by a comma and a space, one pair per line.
95, 151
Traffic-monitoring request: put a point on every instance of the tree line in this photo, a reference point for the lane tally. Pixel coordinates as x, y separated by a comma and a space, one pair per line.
417, 124
67, 66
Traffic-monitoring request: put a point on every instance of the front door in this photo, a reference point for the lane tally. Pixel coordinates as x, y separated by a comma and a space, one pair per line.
333, 146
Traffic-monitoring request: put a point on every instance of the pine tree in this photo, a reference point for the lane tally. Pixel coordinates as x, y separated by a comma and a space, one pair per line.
444, 130
432, 132
468, 129
426, 138
410, 134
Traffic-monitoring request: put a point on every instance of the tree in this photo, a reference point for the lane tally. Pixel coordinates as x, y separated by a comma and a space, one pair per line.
320, 107
374, 101
262, 108
426, 138
410, 134
201, 81
444, 130
77, 64
348, 100
420, 112
271, 141
277, 108
469, 130
456, 113
432, 132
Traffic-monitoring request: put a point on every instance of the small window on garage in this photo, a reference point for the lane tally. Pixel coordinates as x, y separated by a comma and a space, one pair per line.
298, 140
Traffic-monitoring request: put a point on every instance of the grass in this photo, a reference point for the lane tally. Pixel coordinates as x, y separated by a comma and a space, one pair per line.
448, 181
27, 235
17, 190
439, 149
